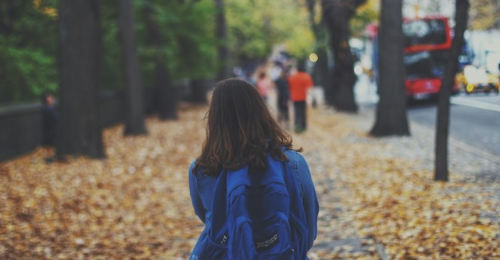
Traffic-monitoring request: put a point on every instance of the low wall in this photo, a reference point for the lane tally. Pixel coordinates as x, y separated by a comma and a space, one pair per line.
20, 129
21, 125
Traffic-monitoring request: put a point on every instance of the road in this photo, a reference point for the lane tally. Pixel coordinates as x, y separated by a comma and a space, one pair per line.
474, 119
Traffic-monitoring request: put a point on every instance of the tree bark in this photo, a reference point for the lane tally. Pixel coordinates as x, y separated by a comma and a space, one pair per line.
391, 116
199, 91
166, 94
80, 51
337, 14
134, 122
443, 114
221, 34
8, 15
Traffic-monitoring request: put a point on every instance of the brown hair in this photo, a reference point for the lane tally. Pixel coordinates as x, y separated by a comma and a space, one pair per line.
240, 130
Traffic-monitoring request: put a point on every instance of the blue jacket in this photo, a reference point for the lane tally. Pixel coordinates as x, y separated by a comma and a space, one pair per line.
201, 188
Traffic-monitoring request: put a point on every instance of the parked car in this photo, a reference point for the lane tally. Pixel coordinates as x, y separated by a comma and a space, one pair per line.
476, 79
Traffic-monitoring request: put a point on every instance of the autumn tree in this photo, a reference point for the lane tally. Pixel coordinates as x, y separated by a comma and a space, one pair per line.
134, 121
252, 35
443, 113
484, 14
391, 118
337, 14
80, 52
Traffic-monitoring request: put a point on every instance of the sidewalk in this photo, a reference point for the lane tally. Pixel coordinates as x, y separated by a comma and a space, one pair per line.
385, 204
338, 237
376, 197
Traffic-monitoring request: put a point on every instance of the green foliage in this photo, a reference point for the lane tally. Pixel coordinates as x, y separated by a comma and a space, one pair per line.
28, 40
25, 73
112, 72
28, 45
195, 40
187, 36
256, 26
187, 41
300, 42
27, 52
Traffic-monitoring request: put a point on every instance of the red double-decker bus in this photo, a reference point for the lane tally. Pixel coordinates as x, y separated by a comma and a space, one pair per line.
427, 43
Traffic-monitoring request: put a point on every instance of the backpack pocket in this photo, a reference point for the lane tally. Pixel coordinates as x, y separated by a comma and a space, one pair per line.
269, 239
212, 250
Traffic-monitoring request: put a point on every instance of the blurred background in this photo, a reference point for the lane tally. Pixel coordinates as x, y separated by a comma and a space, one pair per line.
177, 49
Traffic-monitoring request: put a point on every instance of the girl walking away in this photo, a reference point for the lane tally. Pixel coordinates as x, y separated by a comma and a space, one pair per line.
250, 187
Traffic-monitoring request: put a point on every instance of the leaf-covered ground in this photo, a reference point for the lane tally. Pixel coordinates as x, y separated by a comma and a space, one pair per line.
135, 204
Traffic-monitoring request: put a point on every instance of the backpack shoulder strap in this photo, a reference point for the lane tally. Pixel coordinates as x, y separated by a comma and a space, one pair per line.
218, 228
237, 178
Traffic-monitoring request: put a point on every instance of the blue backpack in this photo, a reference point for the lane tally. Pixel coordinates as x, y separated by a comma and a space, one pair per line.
257, 216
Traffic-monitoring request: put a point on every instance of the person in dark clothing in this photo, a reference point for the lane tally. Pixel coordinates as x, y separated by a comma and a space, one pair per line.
283, 97
50, 117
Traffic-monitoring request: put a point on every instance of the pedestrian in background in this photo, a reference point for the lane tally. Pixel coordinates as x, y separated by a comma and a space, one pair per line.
248, 77
263, 85
50, 118
283, 101
299, 83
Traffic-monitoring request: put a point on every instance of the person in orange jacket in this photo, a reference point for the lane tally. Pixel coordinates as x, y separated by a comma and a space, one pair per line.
299, 83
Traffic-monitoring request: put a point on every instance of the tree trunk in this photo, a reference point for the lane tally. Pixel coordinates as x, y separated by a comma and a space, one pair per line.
8, 15
391, 116
321, 73
134, 122
166, 94
80, 51
199, 91
337, 14
443, 114
221, 34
